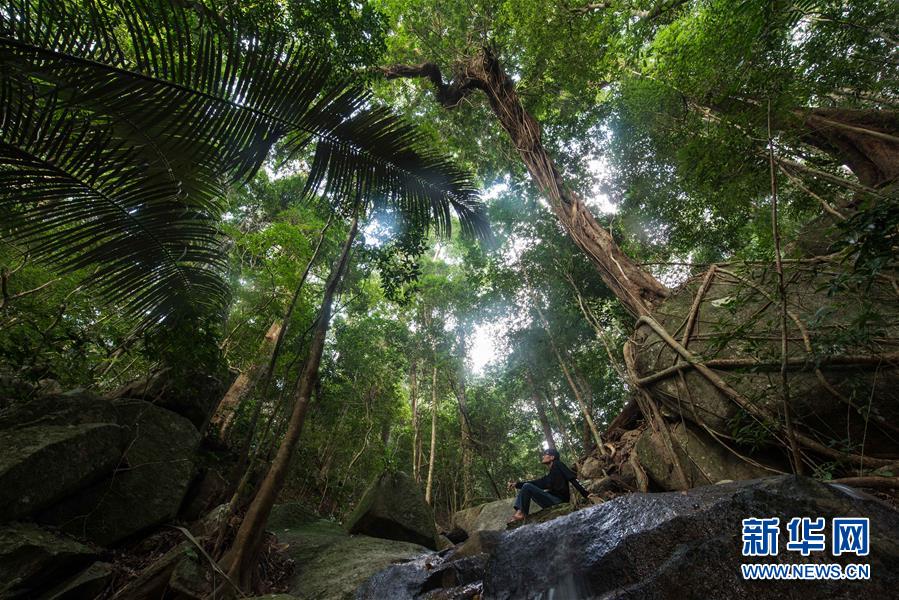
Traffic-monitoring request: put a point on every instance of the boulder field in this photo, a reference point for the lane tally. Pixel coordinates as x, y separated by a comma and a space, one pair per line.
82, 476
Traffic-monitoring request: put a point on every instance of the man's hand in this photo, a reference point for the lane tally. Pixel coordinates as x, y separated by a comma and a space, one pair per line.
510, 485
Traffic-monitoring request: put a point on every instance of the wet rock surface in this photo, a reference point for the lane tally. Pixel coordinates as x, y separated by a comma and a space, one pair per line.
688, 545
678, 545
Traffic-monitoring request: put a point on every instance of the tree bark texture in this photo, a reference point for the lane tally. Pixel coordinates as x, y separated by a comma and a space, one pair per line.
865, 140
637, 289
245, 382
240, 560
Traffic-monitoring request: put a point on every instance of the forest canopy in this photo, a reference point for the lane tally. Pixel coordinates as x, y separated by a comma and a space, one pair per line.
438, 237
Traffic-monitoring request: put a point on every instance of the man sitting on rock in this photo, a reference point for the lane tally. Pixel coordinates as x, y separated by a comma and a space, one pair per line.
549, 490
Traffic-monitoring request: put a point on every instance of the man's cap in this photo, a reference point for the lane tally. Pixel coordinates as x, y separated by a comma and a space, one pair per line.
552, 452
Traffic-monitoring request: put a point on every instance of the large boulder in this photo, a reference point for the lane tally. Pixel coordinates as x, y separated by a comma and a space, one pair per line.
429, 578
491, 516
193, 396
677, 546
464, 519
644, 545
844, 387
146, 489
39, 465
32, 558
495, 515
393, 508
52, 446
336, 570
73, 408
702, 458
331, 564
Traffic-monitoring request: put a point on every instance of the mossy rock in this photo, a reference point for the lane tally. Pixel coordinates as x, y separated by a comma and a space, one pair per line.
32, 558
738, 324
393, 508
194, 396
73, 408
291, 515
308, 540
335, 571
42, 464
703, 459
148, 489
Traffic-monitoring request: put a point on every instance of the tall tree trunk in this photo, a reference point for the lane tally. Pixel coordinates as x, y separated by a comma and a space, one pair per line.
244, 451
431, 460
416, 424
637, 289
562, 429
240, 560
245, 382
541, 411
466, 444
578, 394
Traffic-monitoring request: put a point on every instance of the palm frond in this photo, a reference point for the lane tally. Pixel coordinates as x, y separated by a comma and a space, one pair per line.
122, 122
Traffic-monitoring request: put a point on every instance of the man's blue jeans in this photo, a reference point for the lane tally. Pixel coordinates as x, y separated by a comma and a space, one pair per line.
529, 492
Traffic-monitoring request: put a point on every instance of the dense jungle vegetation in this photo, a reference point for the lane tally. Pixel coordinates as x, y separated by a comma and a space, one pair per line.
416, 235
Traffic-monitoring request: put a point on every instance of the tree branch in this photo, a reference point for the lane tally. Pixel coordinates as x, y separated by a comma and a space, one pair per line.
449, 95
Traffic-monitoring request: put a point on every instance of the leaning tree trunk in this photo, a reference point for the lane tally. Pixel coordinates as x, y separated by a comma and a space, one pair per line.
240, 560
723, 384
244, 451
245, 383
637, 289
431, 457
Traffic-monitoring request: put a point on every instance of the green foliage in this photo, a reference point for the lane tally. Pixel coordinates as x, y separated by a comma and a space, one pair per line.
122, 125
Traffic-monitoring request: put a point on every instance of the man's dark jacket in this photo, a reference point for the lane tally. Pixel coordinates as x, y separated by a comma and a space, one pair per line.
556, 482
